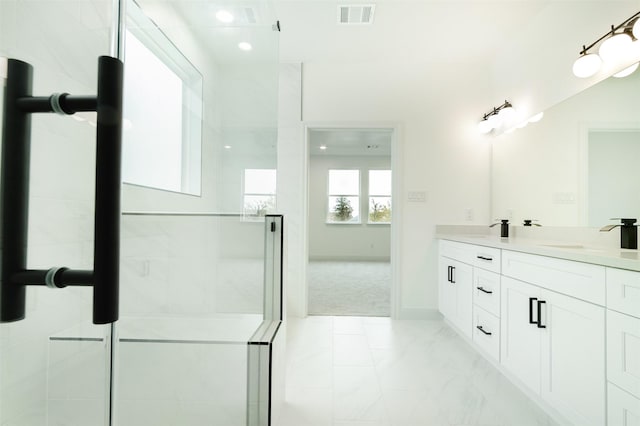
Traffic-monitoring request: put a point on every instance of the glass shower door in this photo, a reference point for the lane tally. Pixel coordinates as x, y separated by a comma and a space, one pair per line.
197, 274
55, 363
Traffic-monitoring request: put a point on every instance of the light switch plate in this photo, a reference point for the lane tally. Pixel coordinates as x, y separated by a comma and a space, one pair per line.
417, 196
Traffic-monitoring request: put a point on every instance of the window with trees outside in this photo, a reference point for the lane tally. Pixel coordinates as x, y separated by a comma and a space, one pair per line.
259, 197
344, 196
379, 196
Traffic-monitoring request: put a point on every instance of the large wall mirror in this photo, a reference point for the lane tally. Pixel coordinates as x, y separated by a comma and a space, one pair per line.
579, 166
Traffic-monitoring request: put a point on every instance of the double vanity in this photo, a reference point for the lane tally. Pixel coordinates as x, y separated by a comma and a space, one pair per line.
562, 321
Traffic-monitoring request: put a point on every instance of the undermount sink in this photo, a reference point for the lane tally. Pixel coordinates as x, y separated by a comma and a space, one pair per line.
573, 247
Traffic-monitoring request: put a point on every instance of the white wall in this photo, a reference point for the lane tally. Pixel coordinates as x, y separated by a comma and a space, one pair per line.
344, 241
533, 69
441, 156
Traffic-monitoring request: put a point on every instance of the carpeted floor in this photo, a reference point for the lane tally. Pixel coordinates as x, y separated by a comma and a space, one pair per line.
349, 288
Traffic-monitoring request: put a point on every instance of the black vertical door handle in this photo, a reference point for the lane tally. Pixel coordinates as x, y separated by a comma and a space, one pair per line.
14, 190
453, 276
107, 190
539, 322
531, 300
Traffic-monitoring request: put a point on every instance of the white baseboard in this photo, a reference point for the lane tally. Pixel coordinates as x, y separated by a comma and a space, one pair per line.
350, 258
418, 314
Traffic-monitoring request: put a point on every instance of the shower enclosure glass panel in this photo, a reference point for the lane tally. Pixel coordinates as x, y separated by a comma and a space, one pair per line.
55, 363
193, 308
200, 289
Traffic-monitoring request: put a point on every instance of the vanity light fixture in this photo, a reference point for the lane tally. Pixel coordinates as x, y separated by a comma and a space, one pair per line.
615, 45
500, 116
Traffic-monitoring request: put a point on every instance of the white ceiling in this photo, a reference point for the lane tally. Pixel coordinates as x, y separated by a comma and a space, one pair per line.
521, 50
403, 31
350, 142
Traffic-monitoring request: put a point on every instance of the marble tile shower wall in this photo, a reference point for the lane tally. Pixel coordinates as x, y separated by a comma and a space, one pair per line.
61, 206
191, 266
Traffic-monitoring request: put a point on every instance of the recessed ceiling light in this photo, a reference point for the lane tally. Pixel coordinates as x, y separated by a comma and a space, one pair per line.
227, 147
323, 147
224, 16
245, 46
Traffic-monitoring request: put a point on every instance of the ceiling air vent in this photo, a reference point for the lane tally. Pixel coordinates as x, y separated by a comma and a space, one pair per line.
356, 14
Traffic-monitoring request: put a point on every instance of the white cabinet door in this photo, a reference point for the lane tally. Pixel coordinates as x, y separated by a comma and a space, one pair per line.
573, 358
623, 408
623, 351
455, 294
463, 283
446, 290
520, 343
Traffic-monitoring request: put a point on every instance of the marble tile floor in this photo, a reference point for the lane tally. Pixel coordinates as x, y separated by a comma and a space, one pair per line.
370, 371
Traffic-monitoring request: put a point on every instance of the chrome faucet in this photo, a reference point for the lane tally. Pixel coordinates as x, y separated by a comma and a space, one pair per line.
628, 232
504, 227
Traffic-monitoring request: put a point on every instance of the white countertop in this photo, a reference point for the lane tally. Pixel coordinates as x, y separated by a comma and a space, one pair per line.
606, 256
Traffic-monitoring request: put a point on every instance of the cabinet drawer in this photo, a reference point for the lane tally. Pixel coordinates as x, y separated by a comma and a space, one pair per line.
623, 351
623, 408
486, 290
623, 291
486, 258
486, 332
581, 280
479, 256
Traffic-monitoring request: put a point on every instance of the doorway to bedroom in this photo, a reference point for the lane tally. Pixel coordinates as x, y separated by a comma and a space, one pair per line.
349, 222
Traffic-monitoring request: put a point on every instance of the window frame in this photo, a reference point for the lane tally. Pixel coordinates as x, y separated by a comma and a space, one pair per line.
329, 196
370, 196
253, 217
162, 47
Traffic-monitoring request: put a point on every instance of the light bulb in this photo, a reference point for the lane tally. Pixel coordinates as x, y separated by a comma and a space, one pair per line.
536, 117
587, 65
224, 16
636, 29
484, 127
627, 71
507, 114
494, 121
615, 47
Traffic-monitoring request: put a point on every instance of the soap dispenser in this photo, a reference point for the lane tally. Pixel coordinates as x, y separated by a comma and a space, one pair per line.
504, 227
628, 232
